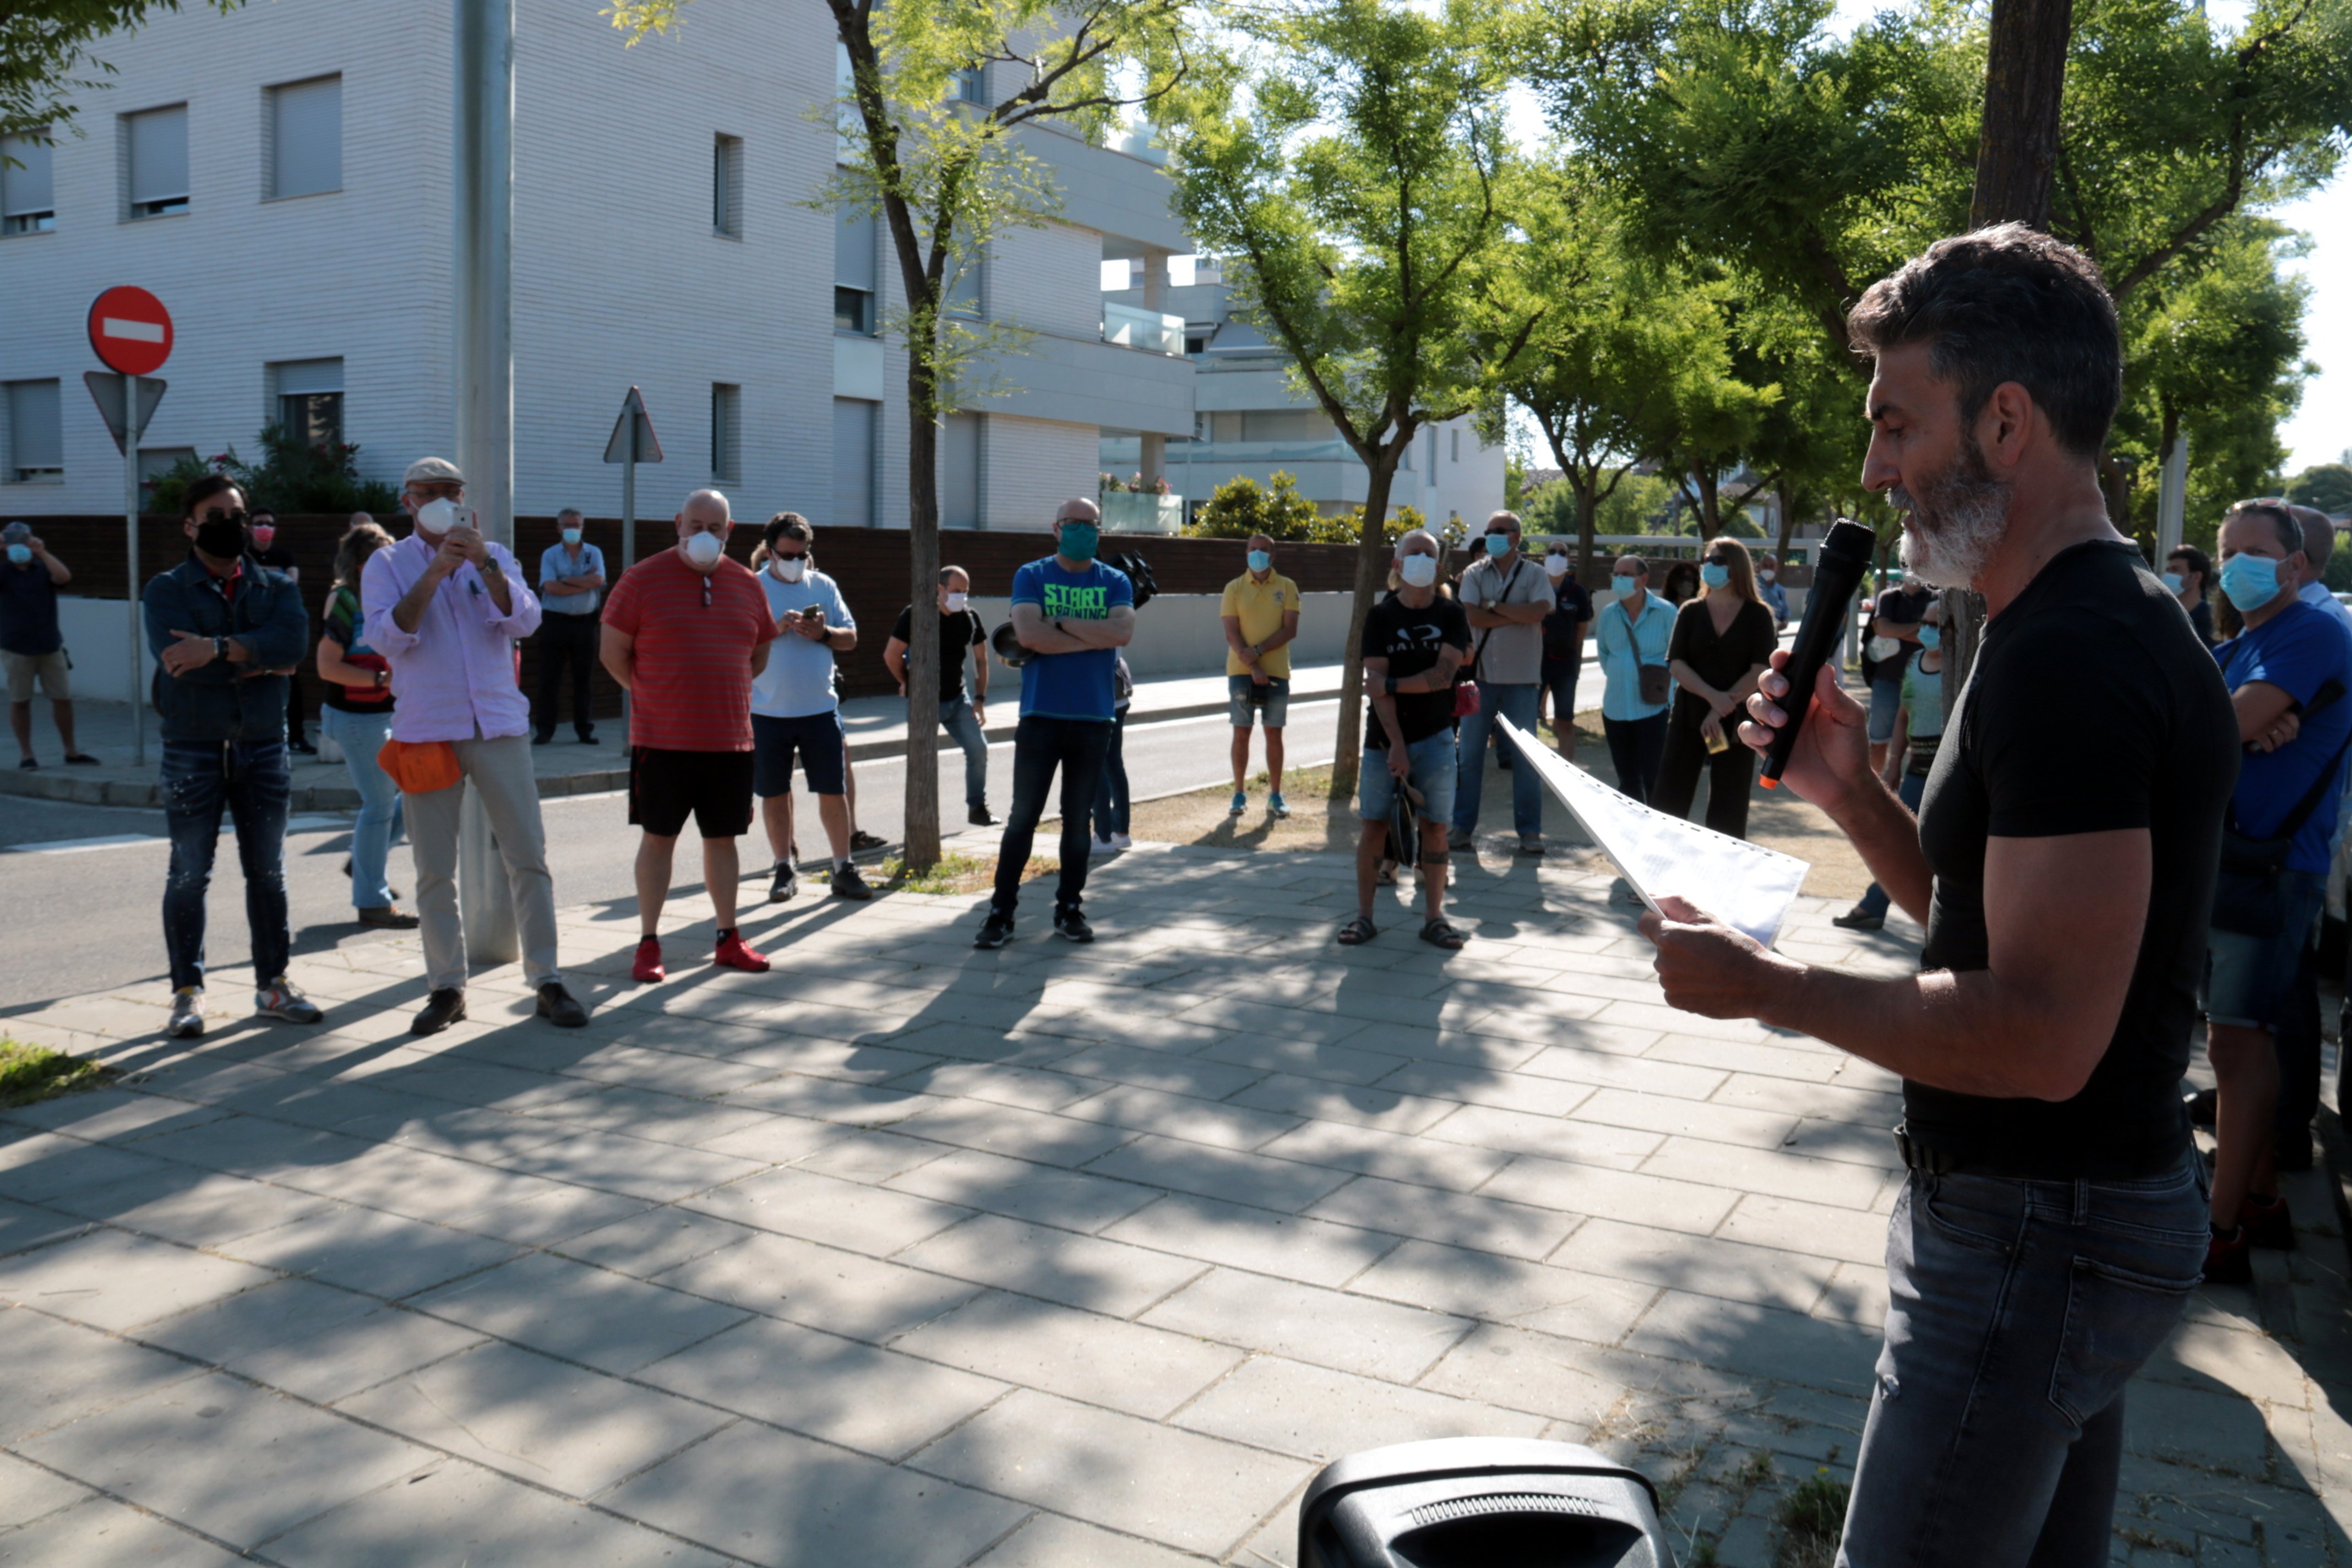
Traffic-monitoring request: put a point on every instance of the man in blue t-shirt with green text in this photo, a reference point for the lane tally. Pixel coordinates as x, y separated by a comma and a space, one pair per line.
1073, 613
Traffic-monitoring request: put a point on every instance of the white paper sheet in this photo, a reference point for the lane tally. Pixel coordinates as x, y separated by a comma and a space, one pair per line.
1746, 887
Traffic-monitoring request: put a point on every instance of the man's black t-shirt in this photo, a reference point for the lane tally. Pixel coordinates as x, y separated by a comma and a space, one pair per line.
1408, 639
2091, 707
958, 632
1562, 636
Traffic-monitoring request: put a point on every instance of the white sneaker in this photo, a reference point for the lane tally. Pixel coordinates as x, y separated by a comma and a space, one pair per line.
1121, 841
187, 1014
1104, 846
281, 1000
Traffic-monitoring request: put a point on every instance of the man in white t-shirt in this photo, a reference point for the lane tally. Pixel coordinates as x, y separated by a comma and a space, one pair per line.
795, 711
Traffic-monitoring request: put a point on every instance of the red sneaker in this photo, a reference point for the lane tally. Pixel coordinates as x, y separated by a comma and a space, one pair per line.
648, 966
734, 952
2228, 1259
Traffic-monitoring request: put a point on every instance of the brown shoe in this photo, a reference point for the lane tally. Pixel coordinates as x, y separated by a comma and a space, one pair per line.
387, 917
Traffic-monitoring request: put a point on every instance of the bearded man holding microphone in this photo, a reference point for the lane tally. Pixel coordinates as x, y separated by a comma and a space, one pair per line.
2055, 1221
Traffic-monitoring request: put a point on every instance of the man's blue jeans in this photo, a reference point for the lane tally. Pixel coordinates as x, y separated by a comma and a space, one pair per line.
963, 728
2016, 1313
1876, 900
377, 828
1517, 703
249, 778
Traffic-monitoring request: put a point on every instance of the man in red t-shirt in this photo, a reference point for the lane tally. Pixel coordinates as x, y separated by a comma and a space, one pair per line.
685, 632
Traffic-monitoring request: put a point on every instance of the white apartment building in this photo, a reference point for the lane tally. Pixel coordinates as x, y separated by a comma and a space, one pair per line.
280, 177
1249, 422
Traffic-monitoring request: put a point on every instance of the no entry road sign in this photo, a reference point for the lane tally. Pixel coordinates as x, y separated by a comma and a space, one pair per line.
130, 331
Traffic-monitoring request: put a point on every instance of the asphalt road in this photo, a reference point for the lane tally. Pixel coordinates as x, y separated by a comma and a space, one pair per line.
80, 886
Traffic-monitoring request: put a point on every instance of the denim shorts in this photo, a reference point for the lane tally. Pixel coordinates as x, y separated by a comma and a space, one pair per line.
1431, 766
2247, 978
1246, 701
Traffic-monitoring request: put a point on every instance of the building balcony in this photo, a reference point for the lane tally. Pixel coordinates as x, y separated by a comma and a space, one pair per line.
1149, 329
1126, 511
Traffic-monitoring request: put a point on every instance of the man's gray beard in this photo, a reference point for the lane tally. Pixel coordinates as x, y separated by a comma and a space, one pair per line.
1956, 521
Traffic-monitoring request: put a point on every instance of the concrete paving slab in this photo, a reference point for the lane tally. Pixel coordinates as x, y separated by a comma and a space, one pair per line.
369, 1251
1330, 1328
823, 1287
59, 1372
779, 1499
876, 1401
821, 1208
100, 1533
231, 1460
578, 1313
1057, 1265
991, 1184
541, 1420
1049, 1540
1082, 1355
459, 1513
28, 1492
1316, 1414
111, 1279
1197, 1493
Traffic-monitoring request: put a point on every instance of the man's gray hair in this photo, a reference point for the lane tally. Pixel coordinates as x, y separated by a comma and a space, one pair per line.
571, 511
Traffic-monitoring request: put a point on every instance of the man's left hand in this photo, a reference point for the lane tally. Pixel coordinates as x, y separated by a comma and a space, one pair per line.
468, 545
1709, 968
193, 651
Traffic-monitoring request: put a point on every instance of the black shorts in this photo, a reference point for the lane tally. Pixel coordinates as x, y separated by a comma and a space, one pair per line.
712, 787
817, 737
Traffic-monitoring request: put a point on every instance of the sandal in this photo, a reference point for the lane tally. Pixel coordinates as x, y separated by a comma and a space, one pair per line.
1386, 876
1437, 933
1357, 933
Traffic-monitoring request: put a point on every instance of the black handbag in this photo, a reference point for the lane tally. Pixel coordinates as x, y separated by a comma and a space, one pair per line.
2246, 897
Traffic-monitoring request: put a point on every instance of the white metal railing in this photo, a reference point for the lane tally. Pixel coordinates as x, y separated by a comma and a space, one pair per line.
1129, 512
1149, 329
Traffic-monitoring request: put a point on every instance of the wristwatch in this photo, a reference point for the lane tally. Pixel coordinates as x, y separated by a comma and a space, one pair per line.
220, 648
1391, 681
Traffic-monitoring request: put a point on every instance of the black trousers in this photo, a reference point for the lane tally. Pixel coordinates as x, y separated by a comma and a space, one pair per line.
1729, 773
566, 640
1041, 746
1634, 748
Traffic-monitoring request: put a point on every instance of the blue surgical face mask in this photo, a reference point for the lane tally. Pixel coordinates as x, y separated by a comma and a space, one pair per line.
1081, 540
1498, 545
1930, 638
1714, 576
1260, 560
2250, 581
1625, 586
2174, 582
20, 554
571, 536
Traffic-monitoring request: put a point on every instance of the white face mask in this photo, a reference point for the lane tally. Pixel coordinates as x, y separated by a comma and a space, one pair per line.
1555, 565
789, 568
436, 516
956, 601
1418, 570
1768, 574
703, 549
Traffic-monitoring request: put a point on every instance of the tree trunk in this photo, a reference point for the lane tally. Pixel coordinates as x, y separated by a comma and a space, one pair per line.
1372, 554
1710, 513
2025, 80
1787, 526
922, 810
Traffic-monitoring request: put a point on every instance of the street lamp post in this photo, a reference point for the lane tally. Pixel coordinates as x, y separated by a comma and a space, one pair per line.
483, 314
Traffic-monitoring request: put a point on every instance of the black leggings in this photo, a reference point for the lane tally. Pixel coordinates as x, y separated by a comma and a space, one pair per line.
1041, 746
1635, 746
1730, 772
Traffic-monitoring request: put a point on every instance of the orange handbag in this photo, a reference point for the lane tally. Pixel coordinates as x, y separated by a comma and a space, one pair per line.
420, 767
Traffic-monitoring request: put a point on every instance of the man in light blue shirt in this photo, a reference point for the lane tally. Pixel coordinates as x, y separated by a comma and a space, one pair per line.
571, 590
793, 710
1632, 632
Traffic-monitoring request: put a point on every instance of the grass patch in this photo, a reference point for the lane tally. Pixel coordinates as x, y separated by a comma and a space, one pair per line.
1812, 1518
30, 1073
1297, 784
956, 874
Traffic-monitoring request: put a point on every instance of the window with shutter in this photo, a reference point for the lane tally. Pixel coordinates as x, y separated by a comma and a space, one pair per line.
37, 451
27, 192
157, 175
306, 137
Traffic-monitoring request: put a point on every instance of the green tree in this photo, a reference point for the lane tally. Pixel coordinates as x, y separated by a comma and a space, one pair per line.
942, 94
2327, 486
1351, 161
46, 55
1242, 507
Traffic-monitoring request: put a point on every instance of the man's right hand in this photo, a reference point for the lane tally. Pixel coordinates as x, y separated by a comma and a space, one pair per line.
1400, 760
1831, 758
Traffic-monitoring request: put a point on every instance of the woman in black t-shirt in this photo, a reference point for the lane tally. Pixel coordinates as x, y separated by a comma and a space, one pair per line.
1722, 642
964, 719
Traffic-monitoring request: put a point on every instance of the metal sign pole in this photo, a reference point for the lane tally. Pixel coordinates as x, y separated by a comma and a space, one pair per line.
131, 574
628, 541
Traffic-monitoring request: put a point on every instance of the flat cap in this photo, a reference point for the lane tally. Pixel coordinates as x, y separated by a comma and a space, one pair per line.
433, 471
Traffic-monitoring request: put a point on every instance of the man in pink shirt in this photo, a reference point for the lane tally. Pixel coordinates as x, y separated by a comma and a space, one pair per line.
445, 607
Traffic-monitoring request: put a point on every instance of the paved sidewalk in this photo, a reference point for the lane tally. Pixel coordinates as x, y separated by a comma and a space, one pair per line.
907, 1254
877, 727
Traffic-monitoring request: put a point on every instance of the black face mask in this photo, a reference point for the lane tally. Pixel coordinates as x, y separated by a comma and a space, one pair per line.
222, 536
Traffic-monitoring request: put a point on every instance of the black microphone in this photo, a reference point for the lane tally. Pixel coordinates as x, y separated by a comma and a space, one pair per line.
1844, 558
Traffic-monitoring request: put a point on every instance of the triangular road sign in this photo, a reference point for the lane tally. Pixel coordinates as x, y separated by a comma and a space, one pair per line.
106, 391
633, 440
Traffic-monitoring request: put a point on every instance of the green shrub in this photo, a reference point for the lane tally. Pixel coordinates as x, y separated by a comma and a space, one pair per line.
292, 477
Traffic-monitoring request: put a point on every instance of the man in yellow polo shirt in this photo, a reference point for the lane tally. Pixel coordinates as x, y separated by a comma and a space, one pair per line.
1261, 617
